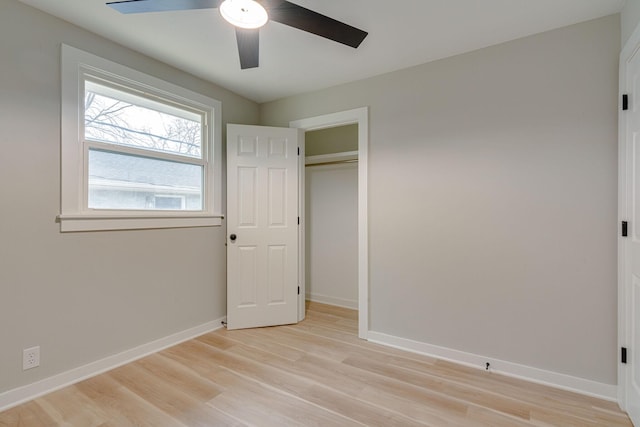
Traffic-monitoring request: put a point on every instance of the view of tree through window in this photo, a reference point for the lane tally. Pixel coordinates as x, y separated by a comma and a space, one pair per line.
168, 176
126, 119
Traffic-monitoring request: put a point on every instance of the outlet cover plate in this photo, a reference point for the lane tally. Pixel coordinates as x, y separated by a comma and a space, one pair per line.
30, 358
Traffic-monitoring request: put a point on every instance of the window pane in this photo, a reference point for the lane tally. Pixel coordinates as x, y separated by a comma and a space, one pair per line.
117, 117
123, 181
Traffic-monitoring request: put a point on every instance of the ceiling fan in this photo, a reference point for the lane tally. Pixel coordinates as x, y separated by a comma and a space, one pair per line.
249, 15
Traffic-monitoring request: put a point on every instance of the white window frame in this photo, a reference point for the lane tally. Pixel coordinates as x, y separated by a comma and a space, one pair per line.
78, 66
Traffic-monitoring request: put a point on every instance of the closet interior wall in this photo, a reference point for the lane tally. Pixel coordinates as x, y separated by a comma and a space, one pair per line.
331, 198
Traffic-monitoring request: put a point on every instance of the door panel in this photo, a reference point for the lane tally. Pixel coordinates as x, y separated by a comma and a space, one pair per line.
247, 197
247, 258
277, 197
262, 211
278, 147
277, 274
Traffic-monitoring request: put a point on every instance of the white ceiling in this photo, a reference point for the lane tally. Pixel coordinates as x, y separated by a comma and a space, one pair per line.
402, 33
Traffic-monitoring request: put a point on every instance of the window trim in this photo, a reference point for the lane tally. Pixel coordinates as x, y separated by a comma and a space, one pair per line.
76, 66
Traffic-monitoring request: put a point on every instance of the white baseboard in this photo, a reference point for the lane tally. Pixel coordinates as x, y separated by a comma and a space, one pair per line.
340, 302
540, 376
28, 392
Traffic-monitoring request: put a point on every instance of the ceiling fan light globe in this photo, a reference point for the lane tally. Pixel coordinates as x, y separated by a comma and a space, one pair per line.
244, 13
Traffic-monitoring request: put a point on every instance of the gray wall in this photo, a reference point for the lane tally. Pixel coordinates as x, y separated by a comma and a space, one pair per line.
332, 140
630, 18
331, 218
85, 296
492, 198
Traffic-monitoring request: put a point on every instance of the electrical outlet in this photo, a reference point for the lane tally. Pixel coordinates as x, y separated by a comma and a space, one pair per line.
30, 358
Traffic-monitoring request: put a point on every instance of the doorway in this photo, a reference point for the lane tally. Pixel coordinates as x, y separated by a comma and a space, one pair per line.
331, 216
357, 116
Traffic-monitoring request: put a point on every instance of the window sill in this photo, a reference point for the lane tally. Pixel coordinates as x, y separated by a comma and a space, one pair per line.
71, 223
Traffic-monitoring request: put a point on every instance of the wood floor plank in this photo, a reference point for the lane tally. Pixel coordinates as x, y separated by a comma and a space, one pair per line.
180, 376
482, 380
441, 411
163, 395
269, 406
493, 401
321, 346
286, 382
26, 415
124, 407
450, 370
314, 373
416, 402
409, 400
489, 418
71, 407
255, 338
355, 343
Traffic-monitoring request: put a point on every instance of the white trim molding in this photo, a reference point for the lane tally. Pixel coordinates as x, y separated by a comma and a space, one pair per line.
124, 222
624, 327
360, 116
528, 373
28, 392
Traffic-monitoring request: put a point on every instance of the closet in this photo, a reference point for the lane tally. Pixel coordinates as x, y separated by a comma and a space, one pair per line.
331, 213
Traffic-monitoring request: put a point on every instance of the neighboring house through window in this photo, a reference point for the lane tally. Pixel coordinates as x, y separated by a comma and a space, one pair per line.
137, 152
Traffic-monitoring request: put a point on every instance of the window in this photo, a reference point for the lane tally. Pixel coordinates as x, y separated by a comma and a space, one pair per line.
137, 152
169, 202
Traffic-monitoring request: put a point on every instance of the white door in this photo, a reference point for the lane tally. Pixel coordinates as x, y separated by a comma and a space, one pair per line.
631, 248
262, 226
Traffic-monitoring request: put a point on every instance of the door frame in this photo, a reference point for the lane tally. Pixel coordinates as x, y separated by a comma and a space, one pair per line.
359, 116
630, 48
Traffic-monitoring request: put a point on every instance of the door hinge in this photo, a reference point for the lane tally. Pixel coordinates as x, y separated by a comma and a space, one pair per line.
299, 294
625, 229
625, 102
298, 151
298, 220
623, 353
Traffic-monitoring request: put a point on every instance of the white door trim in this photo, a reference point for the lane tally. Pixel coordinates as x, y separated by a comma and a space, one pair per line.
628, 51
359, 116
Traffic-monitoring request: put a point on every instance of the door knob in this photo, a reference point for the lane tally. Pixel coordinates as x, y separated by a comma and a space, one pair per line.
233, 237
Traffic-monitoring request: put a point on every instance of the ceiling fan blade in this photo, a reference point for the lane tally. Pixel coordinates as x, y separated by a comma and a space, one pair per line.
142, 6
304, 19
248, 47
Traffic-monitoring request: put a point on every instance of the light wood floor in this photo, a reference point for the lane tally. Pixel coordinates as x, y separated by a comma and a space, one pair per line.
314, 373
